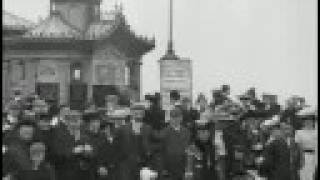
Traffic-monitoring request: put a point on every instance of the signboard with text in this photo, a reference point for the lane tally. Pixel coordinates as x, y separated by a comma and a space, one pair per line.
175, 75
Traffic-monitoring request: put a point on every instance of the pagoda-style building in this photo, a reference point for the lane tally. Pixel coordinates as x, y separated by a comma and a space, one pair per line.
73, 57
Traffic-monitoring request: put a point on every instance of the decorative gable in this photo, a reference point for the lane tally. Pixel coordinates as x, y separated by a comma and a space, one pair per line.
100, 30
54, 27
109, 53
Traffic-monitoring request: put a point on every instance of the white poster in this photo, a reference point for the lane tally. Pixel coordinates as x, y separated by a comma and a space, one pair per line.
175, 75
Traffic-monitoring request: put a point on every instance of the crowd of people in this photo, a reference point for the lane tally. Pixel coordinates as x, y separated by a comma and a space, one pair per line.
224, 140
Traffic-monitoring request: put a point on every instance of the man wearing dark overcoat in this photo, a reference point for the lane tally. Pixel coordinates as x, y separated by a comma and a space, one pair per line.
131, 150
205, 161
175, 140
276, 157
236, 143
72, 150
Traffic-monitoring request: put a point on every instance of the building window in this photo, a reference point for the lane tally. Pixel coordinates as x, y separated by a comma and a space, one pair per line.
53, 6
127, 76
23, 70
97, 11
76, 72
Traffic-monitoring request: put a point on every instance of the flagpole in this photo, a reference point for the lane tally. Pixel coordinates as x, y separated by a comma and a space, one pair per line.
170, 51
170, 43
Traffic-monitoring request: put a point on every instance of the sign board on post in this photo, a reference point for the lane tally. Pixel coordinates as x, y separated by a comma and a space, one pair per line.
175, 75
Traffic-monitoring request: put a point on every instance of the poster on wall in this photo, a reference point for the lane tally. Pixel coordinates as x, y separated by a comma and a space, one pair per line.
47, 72
175, 75
109, 73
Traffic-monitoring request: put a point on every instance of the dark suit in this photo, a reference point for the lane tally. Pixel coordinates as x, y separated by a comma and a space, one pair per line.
68, 164
45, 172
129, 154
155, 118
276, 165
236, 142
174, 144
205, 167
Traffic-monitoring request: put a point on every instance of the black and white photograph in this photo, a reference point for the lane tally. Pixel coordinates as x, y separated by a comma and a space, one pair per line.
159, 89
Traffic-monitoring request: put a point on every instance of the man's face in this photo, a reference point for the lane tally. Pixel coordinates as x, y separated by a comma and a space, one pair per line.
37, 151
276, 133
44, 124
176, 121
94, 125
26, 132
138, 115
74, 123
203, 135
107, 131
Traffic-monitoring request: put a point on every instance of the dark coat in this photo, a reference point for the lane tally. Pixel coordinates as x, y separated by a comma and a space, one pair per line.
203, 169
297, 160
18, 156
155, 117
103, 156
174, 144
129, 154
46, 137
276, 165
235, 137
45, 172
189, 116
67, 164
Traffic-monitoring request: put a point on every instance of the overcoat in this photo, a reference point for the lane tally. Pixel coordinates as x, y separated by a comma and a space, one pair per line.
68, 164
129, 153
174, 144
276, 164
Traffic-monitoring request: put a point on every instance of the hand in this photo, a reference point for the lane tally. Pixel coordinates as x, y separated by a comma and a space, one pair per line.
4, 149
188, 175
103, 171
7, 177
78, 149
88, 148
259, 160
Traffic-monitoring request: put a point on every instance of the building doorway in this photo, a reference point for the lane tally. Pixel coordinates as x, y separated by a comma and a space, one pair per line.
78, 96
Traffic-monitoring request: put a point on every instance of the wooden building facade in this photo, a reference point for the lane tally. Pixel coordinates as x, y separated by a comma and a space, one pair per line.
73, 57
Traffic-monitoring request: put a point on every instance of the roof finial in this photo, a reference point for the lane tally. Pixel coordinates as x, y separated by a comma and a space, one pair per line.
170, 51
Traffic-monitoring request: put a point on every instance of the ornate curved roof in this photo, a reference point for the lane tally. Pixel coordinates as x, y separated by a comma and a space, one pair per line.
54, 27
14, 22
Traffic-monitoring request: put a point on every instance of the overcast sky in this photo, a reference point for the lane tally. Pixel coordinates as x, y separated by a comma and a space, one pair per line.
268, 44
